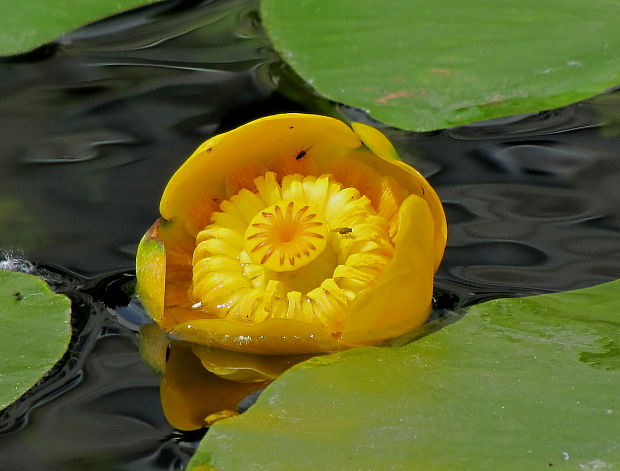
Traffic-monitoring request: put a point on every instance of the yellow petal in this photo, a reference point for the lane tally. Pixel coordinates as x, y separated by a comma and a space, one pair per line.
243, 176
427, 192
401, 299
391, 197
164, 274
408, 178
351, 172
271, 337
151, 273
189, 393
236, 366
267, 142
375, 140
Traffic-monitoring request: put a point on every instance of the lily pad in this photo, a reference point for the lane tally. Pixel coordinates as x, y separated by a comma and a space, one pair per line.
35, 330
528, 383
32, 23
423, 65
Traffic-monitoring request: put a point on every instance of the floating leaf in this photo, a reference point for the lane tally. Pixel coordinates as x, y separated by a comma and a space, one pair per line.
32, 23
516, 384
425, 65
35, 330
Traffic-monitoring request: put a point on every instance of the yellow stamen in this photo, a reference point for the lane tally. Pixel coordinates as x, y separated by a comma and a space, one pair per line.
282, 252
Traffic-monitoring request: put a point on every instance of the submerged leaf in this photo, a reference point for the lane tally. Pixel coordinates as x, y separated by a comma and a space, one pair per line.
425, 65
35, 330
516, 384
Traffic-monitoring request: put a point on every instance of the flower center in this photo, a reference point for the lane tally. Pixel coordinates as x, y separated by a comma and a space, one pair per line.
300, 248
285, 236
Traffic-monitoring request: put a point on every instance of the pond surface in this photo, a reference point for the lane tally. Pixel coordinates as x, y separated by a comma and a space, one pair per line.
95, 124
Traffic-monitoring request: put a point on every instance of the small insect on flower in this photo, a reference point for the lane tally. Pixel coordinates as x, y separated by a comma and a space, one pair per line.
302, 153
343, 230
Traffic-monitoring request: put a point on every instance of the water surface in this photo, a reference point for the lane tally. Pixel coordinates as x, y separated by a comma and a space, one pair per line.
94, 125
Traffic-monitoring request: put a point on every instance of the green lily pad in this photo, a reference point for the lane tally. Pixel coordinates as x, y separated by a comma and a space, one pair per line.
516, 384
28, 24
35, 330
423, 65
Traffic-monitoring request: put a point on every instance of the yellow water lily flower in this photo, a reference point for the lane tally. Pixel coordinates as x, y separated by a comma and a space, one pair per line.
291, 235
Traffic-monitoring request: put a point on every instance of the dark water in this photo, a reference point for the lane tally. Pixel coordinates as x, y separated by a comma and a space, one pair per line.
93, 126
